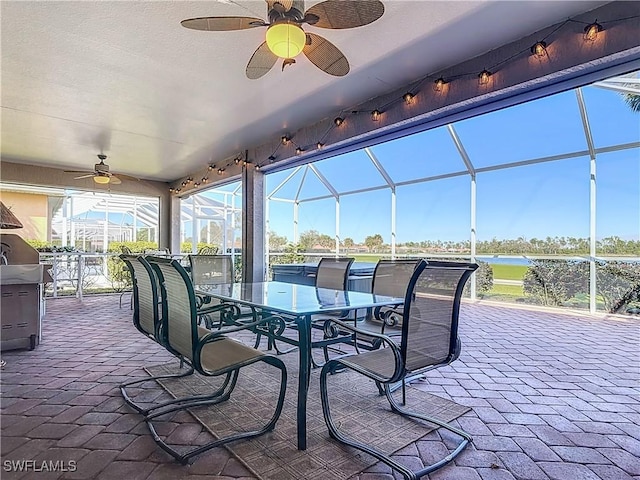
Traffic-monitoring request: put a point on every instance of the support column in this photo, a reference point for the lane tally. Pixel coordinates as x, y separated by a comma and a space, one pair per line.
474, 288
195, 234
393, 222
296, 235
593, 283
169, 217
337, 226
65, 217
253, 236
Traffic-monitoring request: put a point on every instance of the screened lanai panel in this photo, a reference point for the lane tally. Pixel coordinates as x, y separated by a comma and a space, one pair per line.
535, 201
213, 217
366, 214
281, 219
312, 186
350, 171
422, 155
435, 211
284, 184
542, 128
611, 119
318, 216
618, 198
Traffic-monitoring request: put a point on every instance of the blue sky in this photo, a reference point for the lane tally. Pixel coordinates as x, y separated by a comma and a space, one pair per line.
543, 200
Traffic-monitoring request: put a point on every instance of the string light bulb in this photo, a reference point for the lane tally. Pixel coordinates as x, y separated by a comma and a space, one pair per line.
257, 167
539, 49
591, 31
439, 84
211, 167
338, 121
285, 139
408, 98
484, 76
236, 160
375, 115
299, 151
205, 179
319, 145
272, 158
170, 189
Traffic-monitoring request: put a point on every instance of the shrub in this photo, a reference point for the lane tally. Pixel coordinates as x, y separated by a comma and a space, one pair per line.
185, 247
619, 286
553, 282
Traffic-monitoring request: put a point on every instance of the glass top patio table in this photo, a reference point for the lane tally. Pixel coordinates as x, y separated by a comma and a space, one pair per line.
294, 299
297, 303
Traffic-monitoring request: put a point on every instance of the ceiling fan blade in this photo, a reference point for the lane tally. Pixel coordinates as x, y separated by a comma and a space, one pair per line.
346, 13
83, 176
122, 176
261, 62
222, 24
78, 171
114, 180
325, 55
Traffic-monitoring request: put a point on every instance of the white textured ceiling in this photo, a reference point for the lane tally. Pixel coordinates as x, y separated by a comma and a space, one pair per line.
125, 78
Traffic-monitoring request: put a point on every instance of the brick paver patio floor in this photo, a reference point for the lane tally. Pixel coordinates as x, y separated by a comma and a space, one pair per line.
554, 396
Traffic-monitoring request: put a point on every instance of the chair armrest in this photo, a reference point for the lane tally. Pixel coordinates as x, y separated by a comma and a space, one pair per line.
237, 328
356, 331
398, 370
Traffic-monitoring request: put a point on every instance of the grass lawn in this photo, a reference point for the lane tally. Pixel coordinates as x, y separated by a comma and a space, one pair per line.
511, 290
508, 272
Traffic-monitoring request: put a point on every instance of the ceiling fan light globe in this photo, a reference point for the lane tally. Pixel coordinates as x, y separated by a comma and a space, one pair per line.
100, 179
286, 39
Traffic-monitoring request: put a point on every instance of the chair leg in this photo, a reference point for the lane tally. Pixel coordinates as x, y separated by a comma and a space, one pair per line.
221, 395
466, 438
406, 473
129, 401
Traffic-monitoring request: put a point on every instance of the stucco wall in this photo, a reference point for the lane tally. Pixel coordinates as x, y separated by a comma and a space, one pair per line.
31, 210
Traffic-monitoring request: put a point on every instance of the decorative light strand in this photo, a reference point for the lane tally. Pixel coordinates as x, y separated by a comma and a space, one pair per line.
440, 83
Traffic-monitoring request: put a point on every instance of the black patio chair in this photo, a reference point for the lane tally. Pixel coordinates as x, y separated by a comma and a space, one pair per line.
128, 282
146, 319
332, 274
429, 340
391, 278
211, 354
210, 270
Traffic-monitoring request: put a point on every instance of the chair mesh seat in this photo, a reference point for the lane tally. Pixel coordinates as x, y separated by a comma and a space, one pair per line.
378, 362
226, 352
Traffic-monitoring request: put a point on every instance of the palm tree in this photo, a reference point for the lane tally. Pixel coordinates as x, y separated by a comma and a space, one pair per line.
633, 101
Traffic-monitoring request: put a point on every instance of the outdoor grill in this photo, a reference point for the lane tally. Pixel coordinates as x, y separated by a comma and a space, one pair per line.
21, 279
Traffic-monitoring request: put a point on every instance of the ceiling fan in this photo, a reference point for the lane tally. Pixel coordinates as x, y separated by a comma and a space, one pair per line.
101, 173
285, 37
